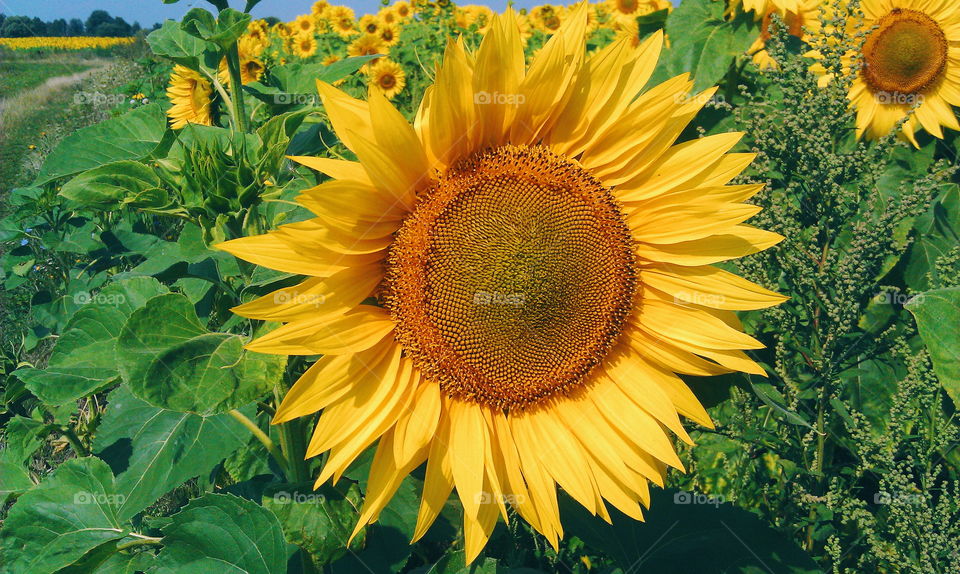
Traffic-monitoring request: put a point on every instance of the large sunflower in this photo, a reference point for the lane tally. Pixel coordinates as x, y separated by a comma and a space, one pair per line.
540, 253
190, 94
911, 58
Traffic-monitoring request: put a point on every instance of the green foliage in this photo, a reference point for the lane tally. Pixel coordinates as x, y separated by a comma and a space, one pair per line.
136, 428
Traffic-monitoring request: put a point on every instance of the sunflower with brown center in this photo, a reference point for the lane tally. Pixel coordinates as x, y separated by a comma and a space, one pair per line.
539, 253
909, 68
388, 76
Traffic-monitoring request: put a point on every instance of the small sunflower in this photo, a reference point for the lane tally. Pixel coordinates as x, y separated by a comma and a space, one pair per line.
388, 76
319, 9
540, 255
366, 45
547, 18
369, 24
389, 34
190, 93
304, 46
622, 10
402, 9
342, 21
303, 25
910, 59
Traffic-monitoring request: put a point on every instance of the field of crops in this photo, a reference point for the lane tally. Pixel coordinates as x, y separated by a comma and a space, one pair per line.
614, 287
84, 43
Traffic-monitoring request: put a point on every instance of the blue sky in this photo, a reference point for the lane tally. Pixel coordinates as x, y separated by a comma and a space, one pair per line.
149, 11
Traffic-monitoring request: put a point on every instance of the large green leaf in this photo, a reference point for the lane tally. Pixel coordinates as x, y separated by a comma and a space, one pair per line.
703, 42
111, 184
938, 318
20, 440
84, 358
170, 41
689, 532
222, 533
154, 450
171, 361
57, 522
134, 135
319, 522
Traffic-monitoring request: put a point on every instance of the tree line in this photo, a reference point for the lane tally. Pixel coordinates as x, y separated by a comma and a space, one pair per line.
100, 23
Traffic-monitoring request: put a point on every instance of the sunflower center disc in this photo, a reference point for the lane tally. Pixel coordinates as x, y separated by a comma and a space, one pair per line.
512, 278
905, 54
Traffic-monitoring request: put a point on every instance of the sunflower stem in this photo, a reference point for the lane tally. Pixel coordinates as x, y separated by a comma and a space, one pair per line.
236, 87
263, 438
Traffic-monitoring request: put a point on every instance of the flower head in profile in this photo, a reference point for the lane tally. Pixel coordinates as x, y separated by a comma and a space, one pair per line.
190, 94
513, 282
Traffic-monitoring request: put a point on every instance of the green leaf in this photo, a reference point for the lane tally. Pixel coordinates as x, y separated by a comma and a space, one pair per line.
132, 136
298, 79
171, 361
70, 513
703, 42
109, 185
697, 531
936, 313
222, 533
84, 358
223, 30
770, 397
172, 42
154, 450
319, 522
20, 440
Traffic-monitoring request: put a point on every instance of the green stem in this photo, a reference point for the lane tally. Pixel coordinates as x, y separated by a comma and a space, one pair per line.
139, 542
263, 438
236, 87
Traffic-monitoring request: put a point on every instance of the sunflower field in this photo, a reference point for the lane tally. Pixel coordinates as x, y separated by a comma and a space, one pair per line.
615, 287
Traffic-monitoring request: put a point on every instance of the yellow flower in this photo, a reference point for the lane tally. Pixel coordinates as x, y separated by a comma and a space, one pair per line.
367, 45
304, 46
320, 8
761, 8
189, 92
402, 9
910, 59
303, 25
342, 21
388, 15
369, 24
546, 18
798, 24
622, 10
541, 261
389, 34
388, 76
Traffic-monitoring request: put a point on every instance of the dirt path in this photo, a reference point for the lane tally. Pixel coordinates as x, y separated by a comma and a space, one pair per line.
17, 105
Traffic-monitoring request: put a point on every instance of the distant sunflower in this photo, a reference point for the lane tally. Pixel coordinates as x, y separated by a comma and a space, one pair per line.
303, 25
342, 21
366, 45
761, 8
190, 93
402, 9
369, 24
389, 34
540, 255
911, 57
304, 45
388, 76
547, 18
632, 9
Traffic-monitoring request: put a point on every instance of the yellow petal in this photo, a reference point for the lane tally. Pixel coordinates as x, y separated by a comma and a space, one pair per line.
355, 331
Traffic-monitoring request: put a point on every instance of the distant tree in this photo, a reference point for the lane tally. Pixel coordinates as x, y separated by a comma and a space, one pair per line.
135, 28
57, 28
2, 18
17, 27
271, 20
75, 27
97, 18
